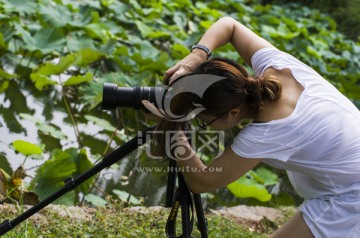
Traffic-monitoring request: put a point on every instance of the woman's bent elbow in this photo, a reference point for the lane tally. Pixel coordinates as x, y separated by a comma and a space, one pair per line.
198, 188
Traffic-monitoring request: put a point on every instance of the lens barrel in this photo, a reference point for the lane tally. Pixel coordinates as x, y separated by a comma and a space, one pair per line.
128, 97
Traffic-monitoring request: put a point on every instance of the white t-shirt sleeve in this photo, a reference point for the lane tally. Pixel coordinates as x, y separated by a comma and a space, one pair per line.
265, 58
305, 75
253, 142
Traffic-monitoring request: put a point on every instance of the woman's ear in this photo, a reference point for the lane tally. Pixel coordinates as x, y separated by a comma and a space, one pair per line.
234, 113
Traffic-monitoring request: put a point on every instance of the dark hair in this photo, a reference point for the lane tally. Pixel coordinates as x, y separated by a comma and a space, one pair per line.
237, 88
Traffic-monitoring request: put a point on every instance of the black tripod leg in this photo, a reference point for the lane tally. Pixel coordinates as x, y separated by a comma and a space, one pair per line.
201, 220
71, 183
186, 204
171, 183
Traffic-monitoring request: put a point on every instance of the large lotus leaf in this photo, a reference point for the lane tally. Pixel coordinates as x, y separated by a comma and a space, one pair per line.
28, 6
51, 175
48, 40
79, 43
246, 187
57, 16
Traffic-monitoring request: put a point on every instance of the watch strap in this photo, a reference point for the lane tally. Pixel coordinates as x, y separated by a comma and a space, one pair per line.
204, 48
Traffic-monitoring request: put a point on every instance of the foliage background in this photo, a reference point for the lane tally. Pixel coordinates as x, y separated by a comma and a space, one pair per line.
56, 55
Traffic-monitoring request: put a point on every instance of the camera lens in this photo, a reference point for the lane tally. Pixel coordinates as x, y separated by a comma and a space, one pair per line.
130, 97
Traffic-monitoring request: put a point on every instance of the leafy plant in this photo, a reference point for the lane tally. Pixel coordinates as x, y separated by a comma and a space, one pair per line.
254, 184
58, 53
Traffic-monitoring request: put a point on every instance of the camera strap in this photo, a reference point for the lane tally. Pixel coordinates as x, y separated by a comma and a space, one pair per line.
184, 201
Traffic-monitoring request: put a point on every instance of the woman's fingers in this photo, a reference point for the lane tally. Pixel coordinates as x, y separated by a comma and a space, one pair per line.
156, 113
185, 66
169, 73
177, 74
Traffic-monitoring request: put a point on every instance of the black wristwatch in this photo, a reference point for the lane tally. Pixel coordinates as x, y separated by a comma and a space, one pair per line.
204, 48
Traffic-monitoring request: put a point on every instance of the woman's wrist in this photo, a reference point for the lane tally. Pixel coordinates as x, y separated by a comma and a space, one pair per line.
200, 53
203, 48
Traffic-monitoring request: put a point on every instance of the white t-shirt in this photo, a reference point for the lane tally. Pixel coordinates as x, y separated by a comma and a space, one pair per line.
318, 145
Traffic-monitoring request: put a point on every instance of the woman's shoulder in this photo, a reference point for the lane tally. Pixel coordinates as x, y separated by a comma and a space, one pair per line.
290, 94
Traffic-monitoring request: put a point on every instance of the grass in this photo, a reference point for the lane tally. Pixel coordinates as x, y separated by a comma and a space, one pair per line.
112, 221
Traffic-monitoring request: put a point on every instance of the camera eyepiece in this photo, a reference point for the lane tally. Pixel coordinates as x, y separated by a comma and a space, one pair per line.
129, 97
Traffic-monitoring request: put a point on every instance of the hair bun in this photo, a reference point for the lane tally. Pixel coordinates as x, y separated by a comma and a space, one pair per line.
253, 86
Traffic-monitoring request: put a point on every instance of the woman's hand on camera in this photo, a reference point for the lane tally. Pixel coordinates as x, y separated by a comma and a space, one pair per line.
185, 66
153, 113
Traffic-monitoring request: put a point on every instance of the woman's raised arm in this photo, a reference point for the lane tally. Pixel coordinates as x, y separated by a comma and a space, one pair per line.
225, 30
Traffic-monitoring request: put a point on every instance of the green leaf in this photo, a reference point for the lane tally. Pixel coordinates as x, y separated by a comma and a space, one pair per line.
75, 80
148, 32
57, 16
83, 58
6, 75
29, 117
28, 6
51, 131
24, 34
87, 56
124, 196
100, 122
313, 52
5, 165
50, 176
49, 68
77, 44
267, 176
3, 45
48, 40
82, 163
286, 33
41, 81
26, 148
98, 31
4, 84
246, 187
143, 28
180, 20
179, 51
45, 128
83, 17
95, 200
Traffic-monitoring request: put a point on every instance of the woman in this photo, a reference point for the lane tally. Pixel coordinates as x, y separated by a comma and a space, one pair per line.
301, 124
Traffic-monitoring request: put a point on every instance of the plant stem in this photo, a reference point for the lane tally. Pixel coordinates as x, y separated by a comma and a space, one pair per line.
24, 160
73, 121
71, 114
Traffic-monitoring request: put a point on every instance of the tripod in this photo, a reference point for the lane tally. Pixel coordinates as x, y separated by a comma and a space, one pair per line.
108, 160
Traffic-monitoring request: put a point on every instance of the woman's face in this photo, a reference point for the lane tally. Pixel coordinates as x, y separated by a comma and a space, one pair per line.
219, 122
